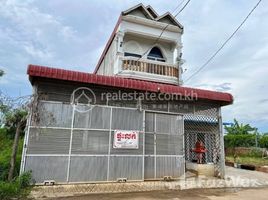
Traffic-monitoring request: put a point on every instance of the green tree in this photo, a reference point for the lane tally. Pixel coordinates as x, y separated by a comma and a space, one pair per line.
239, 129
13, 116
239, 135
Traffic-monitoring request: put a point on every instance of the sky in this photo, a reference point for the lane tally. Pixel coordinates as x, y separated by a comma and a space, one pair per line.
72, 35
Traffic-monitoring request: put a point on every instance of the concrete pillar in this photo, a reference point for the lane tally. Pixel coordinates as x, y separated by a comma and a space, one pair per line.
179, 62
120, 39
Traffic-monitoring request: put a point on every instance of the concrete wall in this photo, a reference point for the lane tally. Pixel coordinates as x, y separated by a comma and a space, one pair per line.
107, 65
139, 45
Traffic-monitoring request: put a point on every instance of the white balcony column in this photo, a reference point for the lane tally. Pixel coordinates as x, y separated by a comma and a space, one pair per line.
179, 53
179, 62
119, 51
120, 38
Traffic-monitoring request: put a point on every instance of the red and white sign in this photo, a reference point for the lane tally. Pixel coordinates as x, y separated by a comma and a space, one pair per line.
126, 139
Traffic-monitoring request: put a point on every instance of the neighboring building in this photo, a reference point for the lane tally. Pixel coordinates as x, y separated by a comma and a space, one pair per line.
131, 119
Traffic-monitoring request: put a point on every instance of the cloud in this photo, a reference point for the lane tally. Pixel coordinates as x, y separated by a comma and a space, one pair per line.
223, 87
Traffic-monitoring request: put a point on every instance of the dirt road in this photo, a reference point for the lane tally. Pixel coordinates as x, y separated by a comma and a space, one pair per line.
197, 194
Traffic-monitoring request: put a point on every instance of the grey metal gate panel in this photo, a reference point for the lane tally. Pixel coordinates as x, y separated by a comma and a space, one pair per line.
88, 168
90, 142
169, 166
47, 168
129, 167
149, 167
97, 117
48, 141
164, 145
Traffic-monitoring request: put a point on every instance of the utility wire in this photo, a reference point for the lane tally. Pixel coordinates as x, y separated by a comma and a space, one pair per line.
221, 47
173, 11
163, 30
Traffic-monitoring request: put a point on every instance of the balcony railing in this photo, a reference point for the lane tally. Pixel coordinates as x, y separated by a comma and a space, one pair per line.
150, 67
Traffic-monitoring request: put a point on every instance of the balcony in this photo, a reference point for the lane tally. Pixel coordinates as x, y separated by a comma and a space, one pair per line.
149, 70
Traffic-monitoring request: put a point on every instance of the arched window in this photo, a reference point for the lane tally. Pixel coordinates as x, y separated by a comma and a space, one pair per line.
156, 54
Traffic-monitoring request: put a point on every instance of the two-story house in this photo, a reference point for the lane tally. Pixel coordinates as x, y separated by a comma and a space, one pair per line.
131, 119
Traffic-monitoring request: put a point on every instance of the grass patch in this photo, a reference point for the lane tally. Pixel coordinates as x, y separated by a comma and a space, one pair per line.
18, 188
6, 143
257, 161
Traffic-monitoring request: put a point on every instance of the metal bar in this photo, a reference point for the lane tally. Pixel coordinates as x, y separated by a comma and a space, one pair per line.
48, 127
43, 155
222, 155
204, 132
70, 146
109, 146
143, 146
164, 112
25, 143
88, 155
183, 143
95, 105
150, 155
154, 145
75, 129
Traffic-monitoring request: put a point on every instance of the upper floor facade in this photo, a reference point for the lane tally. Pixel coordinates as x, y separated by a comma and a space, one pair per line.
144, 46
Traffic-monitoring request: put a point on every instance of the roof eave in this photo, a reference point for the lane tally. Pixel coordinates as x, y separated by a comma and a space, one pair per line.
172, 17
219, 98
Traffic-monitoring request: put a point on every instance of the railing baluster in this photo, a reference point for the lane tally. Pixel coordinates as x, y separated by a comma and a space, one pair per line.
150, 67
124, 64
132, 65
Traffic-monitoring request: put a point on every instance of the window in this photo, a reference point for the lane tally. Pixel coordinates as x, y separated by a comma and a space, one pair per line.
132, 55
156, 54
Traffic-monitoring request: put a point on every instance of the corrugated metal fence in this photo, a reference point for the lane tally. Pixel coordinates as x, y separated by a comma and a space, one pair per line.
74, 143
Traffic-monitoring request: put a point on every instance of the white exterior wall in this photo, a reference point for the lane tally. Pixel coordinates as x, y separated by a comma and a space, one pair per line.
151, 29
107, 65
141, 45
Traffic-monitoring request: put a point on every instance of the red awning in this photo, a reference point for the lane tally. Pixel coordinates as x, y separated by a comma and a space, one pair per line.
119, 82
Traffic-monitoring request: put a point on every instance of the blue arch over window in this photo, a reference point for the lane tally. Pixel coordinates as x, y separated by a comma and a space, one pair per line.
156, 54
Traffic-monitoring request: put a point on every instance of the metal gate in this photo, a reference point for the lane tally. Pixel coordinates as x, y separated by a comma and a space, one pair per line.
74, 143
164, 145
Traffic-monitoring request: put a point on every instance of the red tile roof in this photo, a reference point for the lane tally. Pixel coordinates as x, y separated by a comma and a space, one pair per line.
119, 82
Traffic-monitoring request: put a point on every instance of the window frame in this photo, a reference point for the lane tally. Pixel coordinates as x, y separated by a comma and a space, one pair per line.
160, 59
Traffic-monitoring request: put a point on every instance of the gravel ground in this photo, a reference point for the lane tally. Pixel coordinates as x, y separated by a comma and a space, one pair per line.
236, 178
196, 194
